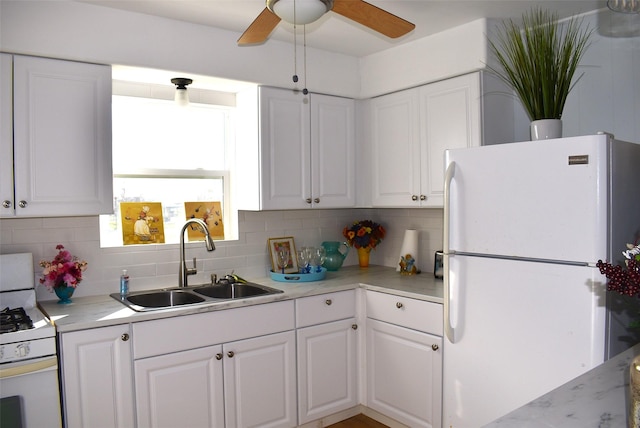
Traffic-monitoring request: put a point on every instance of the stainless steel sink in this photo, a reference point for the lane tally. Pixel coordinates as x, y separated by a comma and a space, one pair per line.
164, 299
234, 291
167, 298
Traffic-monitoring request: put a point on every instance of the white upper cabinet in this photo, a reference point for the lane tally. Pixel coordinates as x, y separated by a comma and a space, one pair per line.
411, 129
395, 139
61, 140
305, 156
6, 135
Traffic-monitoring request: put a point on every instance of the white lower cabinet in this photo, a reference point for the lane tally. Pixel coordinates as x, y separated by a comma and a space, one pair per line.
327, 355
279, 364
181, 389
97, 380
231, 368
404, 365
241, 384
260, 381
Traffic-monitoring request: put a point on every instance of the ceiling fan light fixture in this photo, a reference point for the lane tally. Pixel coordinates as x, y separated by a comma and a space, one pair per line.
181, 97
300, 12
624, 6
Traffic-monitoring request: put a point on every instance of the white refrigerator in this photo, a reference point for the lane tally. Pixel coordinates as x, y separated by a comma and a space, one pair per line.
525, 307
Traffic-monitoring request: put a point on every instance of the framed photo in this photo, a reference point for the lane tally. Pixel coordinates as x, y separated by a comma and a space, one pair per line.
277, 244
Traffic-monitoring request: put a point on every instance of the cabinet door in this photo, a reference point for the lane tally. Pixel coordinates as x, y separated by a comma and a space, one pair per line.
183, 389
449, 119
395, 139
6, 136
332, 152
285, 149
96, 377
260, 381
327, 369
62, 137
404, 374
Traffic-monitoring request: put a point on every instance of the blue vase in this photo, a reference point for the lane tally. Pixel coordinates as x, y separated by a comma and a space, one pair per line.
64, 294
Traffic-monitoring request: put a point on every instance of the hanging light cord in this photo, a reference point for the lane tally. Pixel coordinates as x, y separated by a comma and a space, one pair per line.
295, 44
304, 40
305, 91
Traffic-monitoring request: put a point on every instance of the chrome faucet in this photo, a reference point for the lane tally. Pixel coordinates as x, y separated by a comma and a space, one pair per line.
184, 270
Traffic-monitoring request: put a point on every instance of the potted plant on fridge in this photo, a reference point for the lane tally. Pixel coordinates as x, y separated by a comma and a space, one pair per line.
538, 61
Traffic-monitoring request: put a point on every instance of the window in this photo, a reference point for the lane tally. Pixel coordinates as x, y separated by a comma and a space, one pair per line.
169, 154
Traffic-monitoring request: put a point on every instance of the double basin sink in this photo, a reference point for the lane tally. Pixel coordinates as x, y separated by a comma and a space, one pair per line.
167, 298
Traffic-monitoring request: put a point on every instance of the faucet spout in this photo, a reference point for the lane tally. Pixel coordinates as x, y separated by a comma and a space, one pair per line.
208, 240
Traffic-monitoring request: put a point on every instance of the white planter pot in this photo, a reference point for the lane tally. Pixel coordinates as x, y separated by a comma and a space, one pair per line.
545, 129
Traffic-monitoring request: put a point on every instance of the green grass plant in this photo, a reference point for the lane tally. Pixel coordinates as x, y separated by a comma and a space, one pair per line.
539, 59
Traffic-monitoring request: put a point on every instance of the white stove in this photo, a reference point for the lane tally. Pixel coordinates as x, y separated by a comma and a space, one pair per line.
29, 392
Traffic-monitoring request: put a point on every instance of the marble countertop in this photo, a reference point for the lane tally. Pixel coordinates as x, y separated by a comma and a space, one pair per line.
101, 311
596, 399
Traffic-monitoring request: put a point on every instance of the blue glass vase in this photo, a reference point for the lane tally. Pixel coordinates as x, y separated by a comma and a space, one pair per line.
64, 294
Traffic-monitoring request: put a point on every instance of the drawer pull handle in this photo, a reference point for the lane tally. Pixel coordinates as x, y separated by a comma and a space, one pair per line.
435, 347
354, 326
219, 356
124, 337
328, 302
230, 354
399, 305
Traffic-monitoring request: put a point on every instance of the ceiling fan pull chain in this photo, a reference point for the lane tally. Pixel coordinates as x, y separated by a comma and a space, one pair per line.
304, 41
295, 44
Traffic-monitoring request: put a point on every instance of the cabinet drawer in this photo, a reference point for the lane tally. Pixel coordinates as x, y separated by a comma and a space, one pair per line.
406, 312
325, 308
167, 335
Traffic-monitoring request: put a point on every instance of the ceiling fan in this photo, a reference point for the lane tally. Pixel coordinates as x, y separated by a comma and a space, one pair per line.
302, 12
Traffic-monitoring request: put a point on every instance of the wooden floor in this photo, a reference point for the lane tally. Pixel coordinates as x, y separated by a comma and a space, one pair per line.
358, 421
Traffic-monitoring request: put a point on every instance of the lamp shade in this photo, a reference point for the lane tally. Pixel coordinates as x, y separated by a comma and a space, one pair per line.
299, 12
181, 96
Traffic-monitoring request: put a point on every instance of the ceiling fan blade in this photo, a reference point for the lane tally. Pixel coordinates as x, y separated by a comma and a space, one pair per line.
373, 17
260, 28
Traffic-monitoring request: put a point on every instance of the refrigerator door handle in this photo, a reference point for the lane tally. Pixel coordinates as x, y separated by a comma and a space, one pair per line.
448, 178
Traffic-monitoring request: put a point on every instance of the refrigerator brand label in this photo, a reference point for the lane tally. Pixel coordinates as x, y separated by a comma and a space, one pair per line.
579, 160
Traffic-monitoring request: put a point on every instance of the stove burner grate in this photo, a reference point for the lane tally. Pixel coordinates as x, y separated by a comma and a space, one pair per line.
14, 319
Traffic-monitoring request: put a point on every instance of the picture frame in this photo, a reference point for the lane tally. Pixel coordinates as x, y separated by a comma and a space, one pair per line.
287, 242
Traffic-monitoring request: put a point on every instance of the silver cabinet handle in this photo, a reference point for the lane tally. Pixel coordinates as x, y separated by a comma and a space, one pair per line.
22, 204
399, 305
316, 200
219, 356
230, 354
328, 302
414, 197
423, 198
435, 347
308, 200
124, 337
6, 204
354, 326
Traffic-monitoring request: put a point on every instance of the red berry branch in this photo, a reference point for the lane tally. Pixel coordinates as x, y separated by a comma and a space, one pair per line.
624, 279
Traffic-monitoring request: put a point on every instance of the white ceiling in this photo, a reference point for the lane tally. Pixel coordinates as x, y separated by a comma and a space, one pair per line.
335, 33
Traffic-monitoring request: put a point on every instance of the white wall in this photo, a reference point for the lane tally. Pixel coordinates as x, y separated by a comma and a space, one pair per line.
155, 266
449, 53
79, 31
607, 97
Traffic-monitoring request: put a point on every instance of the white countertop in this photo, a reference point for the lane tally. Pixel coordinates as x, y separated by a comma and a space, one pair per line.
100, 311
596, 399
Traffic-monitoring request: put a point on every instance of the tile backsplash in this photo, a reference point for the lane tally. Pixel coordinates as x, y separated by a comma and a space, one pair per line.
155, 266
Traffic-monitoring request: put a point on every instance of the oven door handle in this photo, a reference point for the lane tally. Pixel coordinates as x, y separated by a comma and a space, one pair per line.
32, 367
